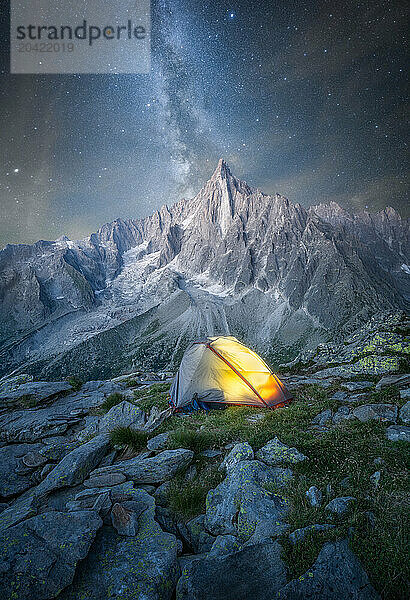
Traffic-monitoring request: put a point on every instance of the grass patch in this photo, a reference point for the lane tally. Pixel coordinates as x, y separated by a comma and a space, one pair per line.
125, 436
75, 382
349, 451
155, 395
28, 401
111, 400
191, 439
187, 498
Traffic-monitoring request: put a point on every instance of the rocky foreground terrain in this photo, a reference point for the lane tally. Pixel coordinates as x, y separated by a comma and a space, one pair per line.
105, 494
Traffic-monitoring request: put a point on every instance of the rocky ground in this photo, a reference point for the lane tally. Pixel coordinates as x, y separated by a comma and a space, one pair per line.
105, 494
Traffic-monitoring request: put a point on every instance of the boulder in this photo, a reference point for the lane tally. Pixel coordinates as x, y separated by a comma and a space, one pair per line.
75, 467
314, 496
256, 572
336, 575
196, 535
404, 394
276, 453
241, 504
382, 412
11, 481
401, 381
142, 566
156, 469
404, 413
158, 442
299, 534
124, 414
340, 506
396, 433
342, 414
39, 556
125, 516
225, 544
323, 418
241, 451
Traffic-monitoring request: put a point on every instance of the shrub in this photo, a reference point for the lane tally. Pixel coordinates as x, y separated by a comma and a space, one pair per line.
187, 498
111, 400
191, 439
125, 436
75, 382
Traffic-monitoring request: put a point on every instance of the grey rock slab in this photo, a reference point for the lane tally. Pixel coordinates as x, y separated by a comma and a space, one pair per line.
105, 480
143, 566
38, 391
211, 453
323, 418
336, 575
339, 396
125, 516
340, 506
404, 412
401, 381
241, 451
242, 505
396, 433
256, 572
21, 509
276, 453
158, 442
30, 425
382, 412
342, 414
75, 466
299, 534
355, 386
156, 469
50, 543
11, 481
314, 496
124, 414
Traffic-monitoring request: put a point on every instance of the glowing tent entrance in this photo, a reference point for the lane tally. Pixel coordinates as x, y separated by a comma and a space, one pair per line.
221, 370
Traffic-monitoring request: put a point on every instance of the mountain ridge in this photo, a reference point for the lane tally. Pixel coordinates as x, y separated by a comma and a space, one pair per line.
229, 252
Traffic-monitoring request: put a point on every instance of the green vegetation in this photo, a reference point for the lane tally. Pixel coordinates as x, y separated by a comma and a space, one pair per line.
125, 436
191, 439
111, 400
28, 401
187, 498
346, 451
155, 395
75, 382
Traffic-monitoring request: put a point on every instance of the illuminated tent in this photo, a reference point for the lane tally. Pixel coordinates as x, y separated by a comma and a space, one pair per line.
221, 371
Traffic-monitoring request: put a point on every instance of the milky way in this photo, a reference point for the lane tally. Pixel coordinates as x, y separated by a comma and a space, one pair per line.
302, 98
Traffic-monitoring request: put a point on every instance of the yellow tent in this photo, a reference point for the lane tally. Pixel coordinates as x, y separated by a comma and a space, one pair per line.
221, 370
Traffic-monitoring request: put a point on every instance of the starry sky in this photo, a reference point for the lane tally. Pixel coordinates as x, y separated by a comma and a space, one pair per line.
304, 98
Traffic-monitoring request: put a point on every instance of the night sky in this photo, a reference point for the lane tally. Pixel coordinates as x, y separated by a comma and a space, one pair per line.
307, 99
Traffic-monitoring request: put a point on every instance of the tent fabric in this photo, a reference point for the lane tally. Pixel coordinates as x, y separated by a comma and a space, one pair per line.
222, 370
